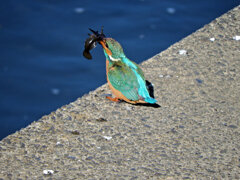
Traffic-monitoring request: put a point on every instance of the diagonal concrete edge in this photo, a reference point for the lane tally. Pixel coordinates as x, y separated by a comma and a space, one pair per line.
194, 134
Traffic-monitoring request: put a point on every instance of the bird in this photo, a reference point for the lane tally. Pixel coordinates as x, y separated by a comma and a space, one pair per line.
125, 78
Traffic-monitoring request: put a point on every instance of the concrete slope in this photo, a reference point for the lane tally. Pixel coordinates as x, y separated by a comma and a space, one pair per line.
194, 134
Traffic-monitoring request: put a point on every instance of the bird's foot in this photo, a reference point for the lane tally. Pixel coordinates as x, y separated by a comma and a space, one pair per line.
113, 99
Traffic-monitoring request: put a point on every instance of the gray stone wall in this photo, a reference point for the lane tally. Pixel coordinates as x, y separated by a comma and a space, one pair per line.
195, 134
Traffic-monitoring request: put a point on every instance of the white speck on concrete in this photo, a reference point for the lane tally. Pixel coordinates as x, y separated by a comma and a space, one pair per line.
182, 52
168, 76
46, 171
58, 143
237, 38
161, 75
128, 108
79, 10
55, 91
171, 10
107, 137
212, 39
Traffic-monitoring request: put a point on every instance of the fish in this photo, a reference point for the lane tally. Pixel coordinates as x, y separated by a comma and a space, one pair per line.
91, 42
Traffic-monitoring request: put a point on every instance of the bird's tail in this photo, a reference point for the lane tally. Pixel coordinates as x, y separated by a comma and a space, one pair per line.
150, 100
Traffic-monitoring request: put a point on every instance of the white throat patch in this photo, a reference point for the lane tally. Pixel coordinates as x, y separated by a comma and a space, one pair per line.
113, 59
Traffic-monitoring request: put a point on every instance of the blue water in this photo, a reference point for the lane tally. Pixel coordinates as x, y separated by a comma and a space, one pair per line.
41, 43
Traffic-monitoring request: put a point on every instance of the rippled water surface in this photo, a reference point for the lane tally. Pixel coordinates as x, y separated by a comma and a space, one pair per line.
41, 43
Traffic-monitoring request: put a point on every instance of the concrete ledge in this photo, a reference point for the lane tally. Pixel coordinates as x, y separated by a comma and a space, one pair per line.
194, 134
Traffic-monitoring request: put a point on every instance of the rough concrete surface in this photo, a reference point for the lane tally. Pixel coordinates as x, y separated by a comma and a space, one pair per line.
195, 134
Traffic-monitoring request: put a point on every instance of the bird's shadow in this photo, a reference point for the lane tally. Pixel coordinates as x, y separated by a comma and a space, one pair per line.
148, 105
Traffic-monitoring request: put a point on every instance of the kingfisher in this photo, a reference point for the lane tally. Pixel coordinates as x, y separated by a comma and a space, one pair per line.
125, 78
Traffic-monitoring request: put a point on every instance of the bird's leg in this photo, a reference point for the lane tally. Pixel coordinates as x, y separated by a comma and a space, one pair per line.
113, 99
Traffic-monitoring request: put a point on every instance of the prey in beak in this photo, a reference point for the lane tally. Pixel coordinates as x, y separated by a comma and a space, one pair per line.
91, 43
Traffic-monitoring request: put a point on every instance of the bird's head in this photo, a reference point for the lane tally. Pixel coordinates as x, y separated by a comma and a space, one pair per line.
112, 49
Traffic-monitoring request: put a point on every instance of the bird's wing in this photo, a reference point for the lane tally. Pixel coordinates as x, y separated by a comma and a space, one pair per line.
124, 80
139, 70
